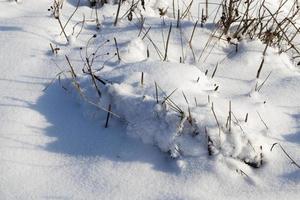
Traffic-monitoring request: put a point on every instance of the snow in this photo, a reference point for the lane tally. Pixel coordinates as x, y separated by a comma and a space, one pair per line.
135, 51
53, 143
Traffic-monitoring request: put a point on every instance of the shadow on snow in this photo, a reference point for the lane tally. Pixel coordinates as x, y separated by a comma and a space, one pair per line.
78, 136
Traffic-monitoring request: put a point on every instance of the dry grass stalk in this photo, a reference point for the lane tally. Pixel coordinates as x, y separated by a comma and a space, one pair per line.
108, 115
167, 43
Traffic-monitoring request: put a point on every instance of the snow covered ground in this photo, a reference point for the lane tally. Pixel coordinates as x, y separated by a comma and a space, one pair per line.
166, 116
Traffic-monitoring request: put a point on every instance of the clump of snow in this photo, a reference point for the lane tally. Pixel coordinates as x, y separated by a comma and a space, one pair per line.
134, 51
71, 40
153, 122
160, 109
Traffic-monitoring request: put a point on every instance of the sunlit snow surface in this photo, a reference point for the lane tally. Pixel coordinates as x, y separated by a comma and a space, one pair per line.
53, 144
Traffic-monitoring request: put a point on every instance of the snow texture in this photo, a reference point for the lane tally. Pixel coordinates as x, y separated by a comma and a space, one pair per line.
177, 128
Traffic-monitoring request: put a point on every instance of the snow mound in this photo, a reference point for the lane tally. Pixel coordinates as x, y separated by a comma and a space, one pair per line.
135, 51
155, 119
159, 102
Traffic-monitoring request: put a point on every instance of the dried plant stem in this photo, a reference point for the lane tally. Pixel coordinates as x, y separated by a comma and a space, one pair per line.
93, 77
117, 48
52, 49
213, 111
71, 67
78, 3
62, 28
167, 43
293, 161
230, 116
258, 87
215, 70
118, 11
142, 79
246, 118
108, 115
156, 92
262, 120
